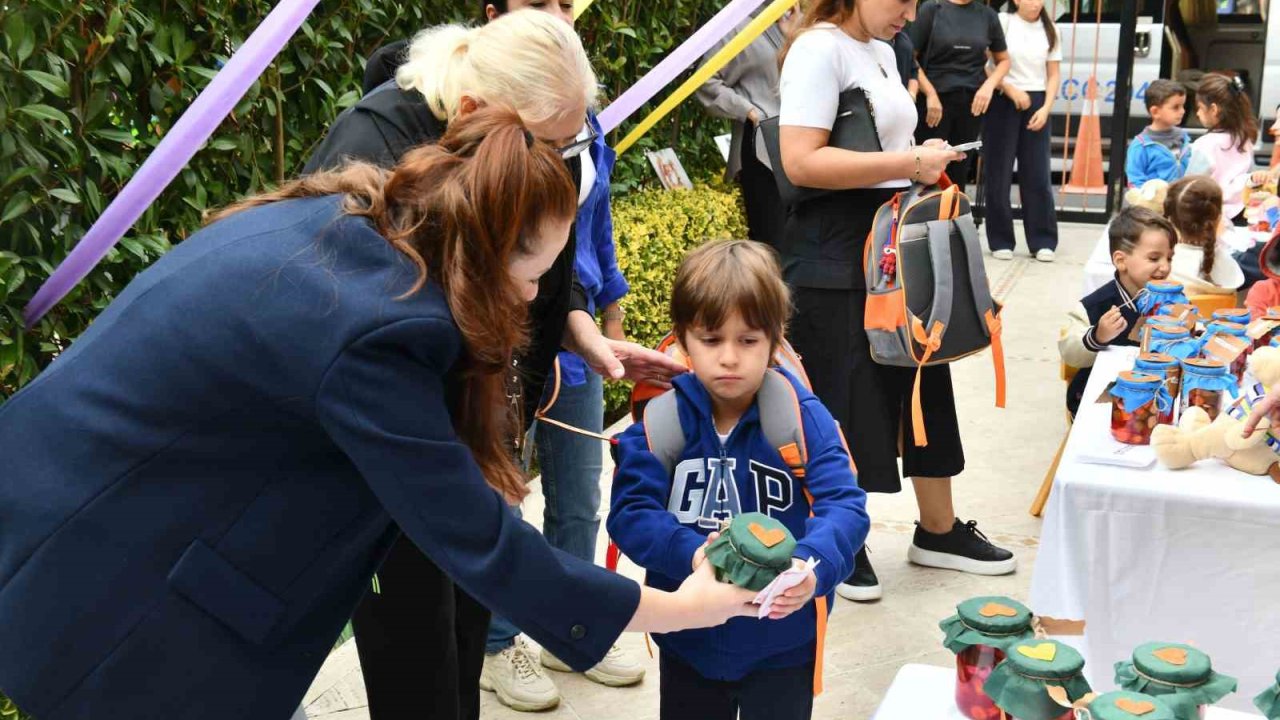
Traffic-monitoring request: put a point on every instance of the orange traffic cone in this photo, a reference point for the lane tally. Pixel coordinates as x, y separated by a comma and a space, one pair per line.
1086, 162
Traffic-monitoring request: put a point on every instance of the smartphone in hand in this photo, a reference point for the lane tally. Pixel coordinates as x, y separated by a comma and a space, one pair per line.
966, 147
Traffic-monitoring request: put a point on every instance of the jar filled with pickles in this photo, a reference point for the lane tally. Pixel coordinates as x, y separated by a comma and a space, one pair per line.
1159, 293
1173, 340
1180, 675
1229, 329
1235, 315
1162, 366
1137, 402
1205, 383
1039, 680
979, 633
1268, 701
1123, 705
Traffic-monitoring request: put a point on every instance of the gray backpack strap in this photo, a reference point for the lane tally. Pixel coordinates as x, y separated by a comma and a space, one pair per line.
663, 430
943, 279
781, 422
982, 300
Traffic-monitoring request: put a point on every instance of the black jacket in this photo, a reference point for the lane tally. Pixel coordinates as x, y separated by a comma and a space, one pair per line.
386, 124
1078, 336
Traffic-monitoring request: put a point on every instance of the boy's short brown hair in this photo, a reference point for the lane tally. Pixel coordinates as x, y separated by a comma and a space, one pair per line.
1129, 224
726, 276
1159, 92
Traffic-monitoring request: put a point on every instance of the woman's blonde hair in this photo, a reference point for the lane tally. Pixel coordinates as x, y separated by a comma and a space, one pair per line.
525, 59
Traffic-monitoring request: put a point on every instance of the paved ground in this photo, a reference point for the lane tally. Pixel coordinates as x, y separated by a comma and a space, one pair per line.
1008, 452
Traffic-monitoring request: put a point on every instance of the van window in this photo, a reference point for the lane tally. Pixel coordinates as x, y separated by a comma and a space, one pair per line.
1088, 9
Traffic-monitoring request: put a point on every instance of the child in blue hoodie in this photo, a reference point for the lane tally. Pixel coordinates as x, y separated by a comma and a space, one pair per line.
1162, 150
729, 310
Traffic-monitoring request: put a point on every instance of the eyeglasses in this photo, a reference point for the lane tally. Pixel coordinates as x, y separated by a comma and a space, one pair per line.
575, 148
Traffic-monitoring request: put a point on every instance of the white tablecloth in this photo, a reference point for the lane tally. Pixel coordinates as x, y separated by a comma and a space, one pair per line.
1098, 269
926, 692
1161, 555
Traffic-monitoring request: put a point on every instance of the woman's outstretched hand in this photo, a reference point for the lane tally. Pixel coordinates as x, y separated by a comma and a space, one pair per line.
700, 601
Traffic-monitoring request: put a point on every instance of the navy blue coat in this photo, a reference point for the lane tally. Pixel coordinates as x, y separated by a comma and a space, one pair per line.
195, 495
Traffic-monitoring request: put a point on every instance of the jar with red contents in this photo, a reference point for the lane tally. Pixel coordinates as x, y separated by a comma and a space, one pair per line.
978, 634
1179, 675
1159, 293
1231, 329
1137, 402
1204, 384
1036, 678
1163, 366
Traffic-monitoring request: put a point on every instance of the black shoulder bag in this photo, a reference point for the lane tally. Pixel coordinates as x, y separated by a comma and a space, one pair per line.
854, 129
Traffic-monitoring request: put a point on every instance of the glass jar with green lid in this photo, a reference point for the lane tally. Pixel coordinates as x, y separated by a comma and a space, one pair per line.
1268, 701
1180, 675
753, 551
1038, 681
979, 632
1125, 705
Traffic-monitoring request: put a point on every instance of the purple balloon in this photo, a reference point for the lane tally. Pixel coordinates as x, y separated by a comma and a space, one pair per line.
186, 136
677, 62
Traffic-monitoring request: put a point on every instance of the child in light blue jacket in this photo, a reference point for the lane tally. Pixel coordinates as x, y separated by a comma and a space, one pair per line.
1162, 150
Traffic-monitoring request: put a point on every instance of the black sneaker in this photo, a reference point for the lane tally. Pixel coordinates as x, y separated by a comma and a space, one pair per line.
862, 585
965, 548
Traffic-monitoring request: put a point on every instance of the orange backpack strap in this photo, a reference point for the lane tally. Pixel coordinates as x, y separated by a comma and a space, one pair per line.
995, 326
930, 342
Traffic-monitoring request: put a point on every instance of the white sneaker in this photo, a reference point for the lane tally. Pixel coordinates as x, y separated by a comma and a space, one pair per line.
517, 679
1044, 255
617, 669
1002, 254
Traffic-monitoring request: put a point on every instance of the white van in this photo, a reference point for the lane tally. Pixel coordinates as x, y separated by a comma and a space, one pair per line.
1177, 39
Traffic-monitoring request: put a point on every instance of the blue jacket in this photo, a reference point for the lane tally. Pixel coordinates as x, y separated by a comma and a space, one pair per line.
596, 261
1148, 159
654, 519
196, 494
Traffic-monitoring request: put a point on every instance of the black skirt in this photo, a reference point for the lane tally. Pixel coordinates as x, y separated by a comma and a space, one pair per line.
872, 402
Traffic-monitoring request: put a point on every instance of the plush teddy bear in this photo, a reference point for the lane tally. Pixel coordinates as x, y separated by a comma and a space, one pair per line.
1196, 438
1150, 196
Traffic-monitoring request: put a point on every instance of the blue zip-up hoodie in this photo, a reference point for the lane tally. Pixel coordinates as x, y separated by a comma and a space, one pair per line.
596, 259
1148, 159
659, 521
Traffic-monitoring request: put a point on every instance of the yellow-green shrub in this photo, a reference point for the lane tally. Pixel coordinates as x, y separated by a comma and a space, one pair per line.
653, 231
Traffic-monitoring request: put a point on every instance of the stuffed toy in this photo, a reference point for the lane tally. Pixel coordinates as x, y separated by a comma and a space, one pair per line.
1196, 438
1150, 196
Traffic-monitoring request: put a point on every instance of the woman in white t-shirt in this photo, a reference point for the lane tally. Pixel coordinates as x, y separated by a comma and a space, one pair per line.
1018, 129
840, 45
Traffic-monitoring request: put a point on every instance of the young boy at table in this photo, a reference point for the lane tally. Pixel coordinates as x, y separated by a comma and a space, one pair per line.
729, 311
1141, 244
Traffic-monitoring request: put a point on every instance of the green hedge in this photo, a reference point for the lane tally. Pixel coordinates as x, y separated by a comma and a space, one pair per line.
654, 230
90, 88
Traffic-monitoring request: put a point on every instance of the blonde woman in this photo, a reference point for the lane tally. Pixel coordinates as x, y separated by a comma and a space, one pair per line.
533, 62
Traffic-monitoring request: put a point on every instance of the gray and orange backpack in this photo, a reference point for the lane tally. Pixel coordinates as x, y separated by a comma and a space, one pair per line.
928, 300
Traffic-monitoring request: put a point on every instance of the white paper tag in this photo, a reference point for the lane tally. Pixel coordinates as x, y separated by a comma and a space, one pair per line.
784, 582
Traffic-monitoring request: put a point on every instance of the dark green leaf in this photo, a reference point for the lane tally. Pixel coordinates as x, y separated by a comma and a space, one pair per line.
18, 204
66, 195
44, 112
50, 82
